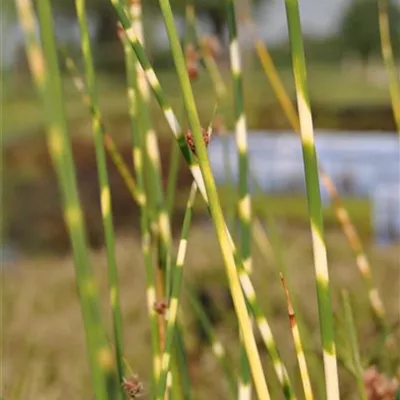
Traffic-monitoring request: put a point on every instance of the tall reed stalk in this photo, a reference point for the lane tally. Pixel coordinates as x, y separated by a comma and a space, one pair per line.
137, 136
314, 200
152, 160
244, 201
210, 195
45, 69
105, 196
342, 214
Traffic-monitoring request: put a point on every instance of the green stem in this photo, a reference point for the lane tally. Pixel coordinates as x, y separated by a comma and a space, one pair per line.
137, 133
105, 196
314, 201
44, 67
244, 201
210, 195
387, 54
176, 289
352, 340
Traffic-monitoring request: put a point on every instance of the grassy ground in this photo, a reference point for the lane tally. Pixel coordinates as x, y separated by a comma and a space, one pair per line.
329, 87
44, 354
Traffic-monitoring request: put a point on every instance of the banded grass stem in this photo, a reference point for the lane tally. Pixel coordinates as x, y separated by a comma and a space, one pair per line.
342, 214
387, 55
45, 69
222, 233
105, 196
352, 340
225, 239
175, 293
232, 262
152, 159
314, 201
216, 345
305, 377
244, 202
138, 158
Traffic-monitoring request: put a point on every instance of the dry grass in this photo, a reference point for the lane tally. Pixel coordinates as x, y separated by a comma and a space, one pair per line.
43, 334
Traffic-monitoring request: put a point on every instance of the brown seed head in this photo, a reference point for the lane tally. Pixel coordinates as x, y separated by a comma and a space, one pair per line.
378, 386
160, 306
133, 387
190, 139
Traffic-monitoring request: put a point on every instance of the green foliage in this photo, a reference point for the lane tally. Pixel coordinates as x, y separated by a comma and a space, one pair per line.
360, 28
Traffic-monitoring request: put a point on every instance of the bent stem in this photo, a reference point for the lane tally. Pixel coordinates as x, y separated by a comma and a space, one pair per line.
314, 201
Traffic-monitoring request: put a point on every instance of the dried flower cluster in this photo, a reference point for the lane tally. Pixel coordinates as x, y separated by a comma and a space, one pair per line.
133, 387
190, 139
192, 61
160, 306
378, 386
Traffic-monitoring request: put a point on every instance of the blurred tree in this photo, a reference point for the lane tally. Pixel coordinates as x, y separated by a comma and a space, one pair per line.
360, 29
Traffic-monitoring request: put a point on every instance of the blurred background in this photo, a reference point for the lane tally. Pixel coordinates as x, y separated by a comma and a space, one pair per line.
356, 143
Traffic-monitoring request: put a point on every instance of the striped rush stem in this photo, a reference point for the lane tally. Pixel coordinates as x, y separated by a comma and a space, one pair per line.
152, 152
176, 289
105, 196
244, 202
301, 359
46, 73
225, 239
342, 214
314, 201
138, 156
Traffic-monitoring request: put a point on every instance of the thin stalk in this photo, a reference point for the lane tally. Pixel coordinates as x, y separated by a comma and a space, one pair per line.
182, 363
314, 201
387, 55
210, 196
342, 214
153, 163
217, 346
244, 201
301, 359
105, 196
172, 178
352, 340
138, 157
108, 140
45, 69
176, 289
